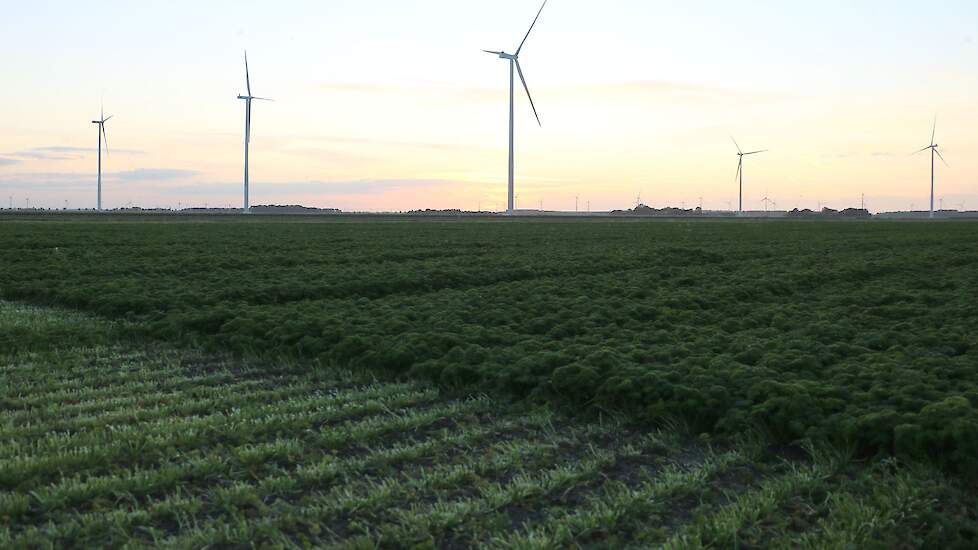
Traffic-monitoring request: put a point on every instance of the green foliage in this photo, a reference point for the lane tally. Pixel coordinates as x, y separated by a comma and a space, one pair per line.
112, 445
860, 333
948, 429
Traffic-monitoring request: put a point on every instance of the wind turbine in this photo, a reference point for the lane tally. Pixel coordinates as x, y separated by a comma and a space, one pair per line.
933, 151
740, 170
102, 119
514, 65
248, 98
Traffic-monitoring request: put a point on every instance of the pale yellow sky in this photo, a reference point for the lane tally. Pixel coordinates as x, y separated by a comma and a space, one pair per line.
397, 108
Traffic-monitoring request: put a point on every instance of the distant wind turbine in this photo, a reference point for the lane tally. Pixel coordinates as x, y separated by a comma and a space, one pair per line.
102, 119
248, 98
933, 151
740, 169
514, 64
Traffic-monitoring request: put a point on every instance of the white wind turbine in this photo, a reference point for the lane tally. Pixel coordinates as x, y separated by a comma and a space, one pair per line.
248, 98
102, 119
514, 65
740, 170
933, 151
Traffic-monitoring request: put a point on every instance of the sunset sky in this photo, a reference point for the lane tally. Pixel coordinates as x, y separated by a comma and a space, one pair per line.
391, 105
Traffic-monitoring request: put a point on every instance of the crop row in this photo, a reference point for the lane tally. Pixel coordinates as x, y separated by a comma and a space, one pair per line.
860, 334
339, 461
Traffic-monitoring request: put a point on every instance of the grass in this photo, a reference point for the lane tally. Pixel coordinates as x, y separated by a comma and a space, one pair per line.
856, 334
109, 442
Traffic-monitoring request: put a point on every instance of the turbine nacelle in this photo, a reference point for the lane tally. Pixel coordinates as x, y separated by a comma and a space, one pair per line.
504, 55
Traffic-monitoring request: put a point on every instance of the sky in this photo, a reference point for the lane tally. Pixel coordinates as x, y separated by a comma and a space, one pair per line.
385, 105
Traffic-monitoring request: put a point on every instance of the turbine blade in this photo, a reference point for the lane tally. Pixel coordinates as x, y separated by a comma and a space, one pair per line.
527, 88
736, 145
105, 139
247, 74
933, 135
263, 99
492, 52
518, 50
740, 166
104, 120
921, 151
941, 157
756, 152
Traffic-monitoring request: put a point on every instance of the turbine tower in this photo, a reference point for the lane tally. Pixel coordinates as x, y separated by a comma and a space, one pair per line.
102, 119
514, 65
248, 98
933, 165
740, 171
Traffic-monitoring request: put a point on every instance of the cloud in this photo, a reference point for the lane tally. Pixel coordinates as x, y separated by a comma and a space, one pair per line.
8, 162
305, 188
63, 152
636, 90
48, 181
62, 149
311, 144
73, 181
52, 153
154, 174
662, 87
365, 186
857, 155
350, 187
69, 181
437, 92
675, 91
359, 87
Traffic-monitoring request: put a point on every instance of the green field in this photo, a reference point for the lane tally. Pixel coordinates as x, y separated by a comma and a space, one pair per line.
529, 384
110, 444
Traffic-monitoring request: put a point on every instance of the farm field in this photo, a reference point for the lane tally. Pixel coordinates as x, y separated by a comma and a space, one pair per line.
861, 334
110, 442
